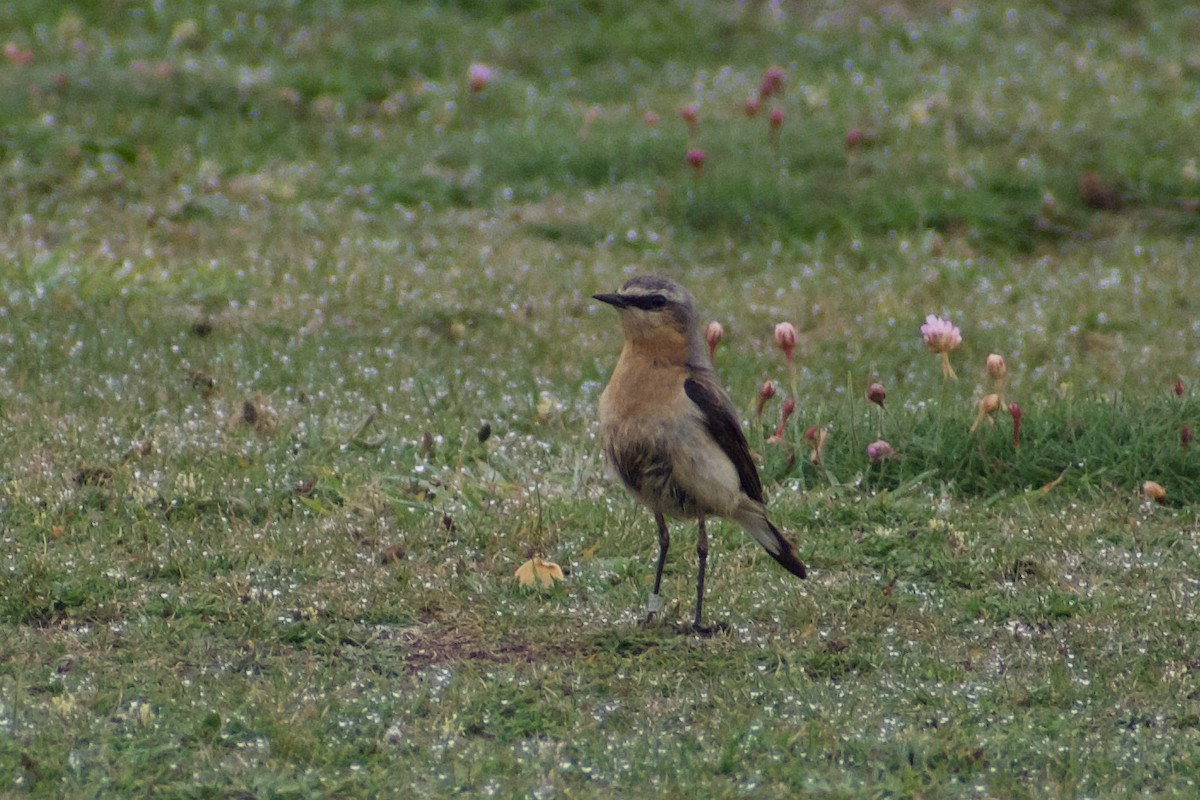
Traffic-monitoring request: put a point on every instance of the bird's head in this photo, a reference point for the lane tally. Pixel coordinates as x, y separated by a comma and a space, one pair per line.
654, 310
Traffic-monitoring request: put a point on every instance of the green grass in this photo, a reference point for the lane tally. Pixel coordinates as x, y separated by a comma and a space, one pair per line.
298, 364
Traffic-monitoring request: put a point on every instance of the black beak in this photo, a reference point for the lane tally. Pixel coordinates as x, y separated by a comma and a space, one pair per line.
614, 300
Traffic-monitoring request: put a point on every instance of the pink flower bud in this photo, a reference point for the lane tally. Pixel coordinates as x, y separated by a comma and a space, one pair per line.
776, 124
785, 414
712, 335
479, 76
879, 450
1185, 435
996, 368
650, 120
785, 337
1179, 387
764, 394
691, 115
695, 157
751, 107
1015, 411
876, 394
17, 54
772, 82
854, 139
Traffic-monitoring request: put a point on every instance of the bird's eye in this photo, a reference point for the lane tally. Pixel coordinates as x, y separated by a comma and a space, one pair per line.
656, 301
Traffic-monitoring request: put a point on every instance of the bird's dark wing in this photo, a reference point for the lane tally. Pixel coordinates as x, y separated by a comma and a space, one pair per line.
725, 430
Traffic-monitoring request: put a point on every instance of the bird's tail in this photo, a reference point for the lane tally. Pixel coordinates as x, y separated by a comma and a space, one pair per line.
755, 521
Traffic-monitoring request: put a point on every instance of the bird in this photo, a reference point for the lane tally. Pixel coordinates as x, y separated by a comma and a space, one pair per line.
671, 434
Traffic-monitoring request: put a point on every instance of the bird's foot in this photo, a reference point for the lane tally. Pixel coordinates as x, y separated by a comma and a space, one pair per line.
706, 631
652, 608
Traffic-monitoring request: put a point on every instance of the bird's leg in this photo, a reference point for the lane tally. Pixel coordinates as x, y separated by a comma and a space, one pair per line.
702, 552
664, 541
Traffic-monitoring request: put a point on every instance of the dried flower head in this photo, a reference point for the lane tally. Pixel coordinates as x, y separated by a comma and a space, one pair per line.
1179, 387
879, 450
712, 335
589, 118
1152, 490
816, 436
539, 573
876, 394
988, 406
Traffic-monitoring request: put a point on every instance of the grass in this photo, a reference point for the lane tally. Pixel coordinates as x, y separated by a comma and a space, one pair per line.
298, 365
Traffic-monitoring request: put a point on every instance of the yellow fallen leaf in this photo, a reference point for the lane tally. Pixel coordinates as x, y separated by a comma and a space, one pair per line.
536, 572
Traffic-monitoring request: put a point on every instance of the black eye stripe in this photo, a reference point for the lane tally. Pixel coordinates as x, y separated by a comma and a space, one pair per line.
647, 302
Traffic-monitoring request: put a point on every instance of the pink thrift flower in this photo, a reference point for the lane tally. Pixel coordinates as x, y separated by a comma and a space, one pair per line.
17, 54
751, 107
876, 394
879, 450
479, 76
941, 336
712, 335
695, 157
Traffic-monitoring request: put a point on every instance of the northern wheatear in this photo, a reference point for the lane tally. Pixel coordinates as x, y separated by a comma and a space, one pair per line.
670, 432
